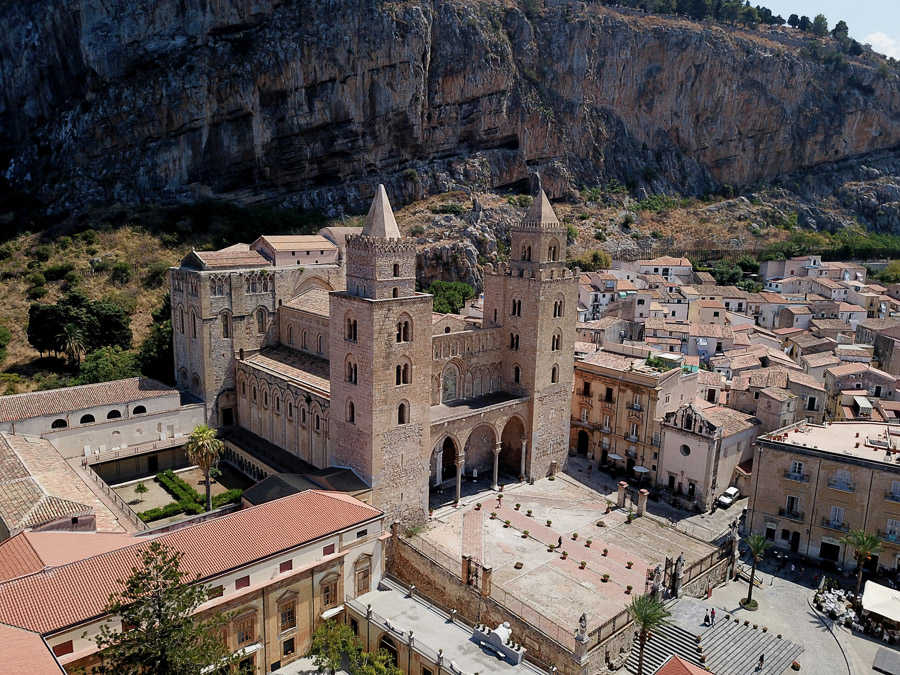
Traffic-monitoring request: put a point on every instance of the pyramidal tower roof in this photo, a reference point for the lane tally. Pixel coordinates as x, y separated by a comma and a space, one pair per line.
380, 220
540, 210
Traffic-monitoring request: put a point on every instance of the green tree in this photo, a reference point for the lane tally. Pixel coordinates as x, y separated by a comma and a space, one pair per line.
72, 342
864, 546
156, 604
805, 24
141, 489
156, 357
450, 296
648, 614
598, 259
107, 364
204, 450
820, 25
334, 646
840, 31
793, 21
5, 337
757, 544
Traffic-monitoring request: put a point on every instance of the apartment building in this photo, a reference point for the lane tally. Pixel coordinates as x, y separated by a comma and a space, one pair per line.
813, 483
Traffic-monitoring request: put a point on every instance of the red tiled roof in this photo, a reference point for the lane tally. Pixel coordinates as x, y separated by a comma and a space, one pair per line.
678, 666
24, 652
55, 401
70, 594
29, 552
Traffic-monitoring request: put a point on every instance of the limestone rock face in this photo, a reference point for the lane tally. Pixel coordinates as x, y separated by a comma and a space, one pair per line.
314, 102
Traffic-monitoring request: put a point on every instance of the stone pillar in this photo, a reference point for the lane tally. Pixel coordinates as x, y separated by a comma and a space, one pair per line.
460, 463
522, 462
438, 467
486, 581
642, 501
497, 448
466, 566
679, 576
620, 501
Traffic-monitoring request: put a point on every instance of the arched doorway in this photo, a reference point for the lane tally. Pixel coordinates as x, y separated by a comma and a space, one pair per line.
480, 452
443, 462
511, 447
583, 442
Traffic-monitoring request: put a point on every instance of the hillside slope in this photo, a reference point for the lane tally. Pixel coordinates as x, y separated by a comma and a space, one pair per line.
310, 103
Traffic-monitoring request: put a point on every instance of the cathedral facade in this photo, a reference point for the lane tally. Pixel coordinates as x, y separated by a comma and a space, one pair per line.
322, 346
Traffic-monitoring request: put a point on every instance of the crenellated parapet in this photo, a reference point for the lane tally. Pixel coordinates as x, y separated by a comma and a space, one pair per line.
374, 245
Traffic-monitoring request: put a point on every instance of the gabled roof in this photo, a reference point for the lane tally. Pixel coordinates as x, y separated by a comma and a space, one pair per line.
675, 665
29, 552
540, 211
68, 399
297, 242
78, 591
314, 300
380, 221
237, 255
25, 652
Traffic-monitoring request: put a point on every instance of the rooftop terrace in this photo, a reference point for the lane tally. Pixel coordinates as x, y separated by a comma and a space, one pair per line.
870, 441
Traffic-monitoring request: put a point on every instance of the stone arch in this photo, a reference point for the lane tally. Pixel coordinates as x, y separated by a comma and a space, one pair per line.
225, 327
444, 456
467, 392
584, 442
405, 328
195, 384
179, 316
261, 319
403, 412
478, 388
350, 326
450, 383
388, 644
403, 372
479, 449
553, 250
511, 445
312, 282
559, 306
351, 369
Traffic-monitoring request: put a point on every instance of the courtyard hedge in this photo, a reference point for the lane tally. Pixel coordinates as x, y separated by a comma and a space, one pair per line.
187, 499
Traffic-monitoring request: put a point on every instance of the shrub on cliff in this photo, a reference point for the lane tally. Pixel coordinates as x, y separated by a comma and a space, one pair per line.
450, 296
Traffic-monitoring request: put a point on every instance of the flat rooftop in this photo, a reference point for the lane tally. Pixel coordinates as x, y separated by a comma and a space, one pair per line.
861, 440
462, 407
433, 630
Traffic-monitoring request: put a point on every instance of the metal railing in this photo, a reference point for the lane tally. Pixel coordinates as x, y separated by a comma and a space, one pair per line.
395, 631
793, 515
796, 476
841, 485
892, 537
892, 496
833, 525
132, 450
122, 505
562, 635
635, 406
631, 437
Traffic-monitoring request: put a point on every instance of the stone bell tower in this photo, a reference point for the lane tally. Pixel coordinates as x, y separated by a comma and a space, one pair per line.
534, 299
380, 349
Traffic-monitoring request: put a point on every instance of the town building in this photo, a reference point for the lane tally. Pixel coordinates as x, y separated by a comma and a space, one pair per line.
678, 270
288, 565
620, 397
338, 362
855, 380
813, 483
702, 446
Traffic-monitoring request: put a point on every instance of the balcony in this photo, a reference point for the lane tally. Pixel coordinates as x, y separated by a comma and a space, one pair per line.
605, 429
892, 496
655, 441
606, 403
799, 477
635, 406
892, 537
831, 525
792, 515
841, 485
631, 438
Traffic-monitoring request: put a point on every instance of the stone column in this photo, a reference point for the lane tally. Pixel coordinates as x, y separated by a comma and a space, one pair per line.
642, 501
522, 461
438, 467
460, 463
620, 501
497, 448
486, 572
466, 566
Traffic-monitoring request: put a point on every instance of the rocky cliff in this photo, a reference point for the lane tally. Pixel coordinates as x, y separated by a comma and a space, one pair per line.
311, 102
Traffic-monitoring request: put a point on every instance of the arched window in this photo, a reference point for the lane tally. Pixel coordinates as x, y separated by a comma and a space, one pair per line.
404, 331
226, 325
86, 419
181, 320
290, 333
303, 340
113, 414
193, 324
558, 308
556, 341
265, 399
319, 344
517, 374
350, 329
388, 645
254, 394
553, 251
450, 384
261, 320
351, 371
318, 423
403, 413
554, 374
351, 412
402, 374
59, 424
514, 341
290, 410
139, 410
396, 270
278, 404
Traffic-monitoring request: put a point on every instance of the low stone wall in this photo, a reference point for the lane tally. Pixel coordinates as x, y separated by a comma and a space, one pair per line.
446, 590
715, 575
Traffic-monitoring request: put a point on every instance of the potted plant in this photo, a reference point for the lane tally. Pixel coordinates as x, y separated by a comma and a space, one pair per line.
629, 564
505, 523
587, 543
565, 554
518, 506
574, 536
582, 564
493, 515
605, 577
518, 565
478, 506
628, 588
549, 522
525, 534
528, 513
795, 666
765, 629
605, 551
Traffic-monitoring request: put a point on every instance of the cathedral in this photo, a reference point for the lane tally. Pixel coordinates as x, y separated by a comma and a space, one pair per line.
321, 345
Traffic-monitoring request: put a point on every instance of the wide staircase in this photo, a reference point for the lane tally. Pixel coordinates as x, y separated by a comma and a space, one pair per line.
730, 648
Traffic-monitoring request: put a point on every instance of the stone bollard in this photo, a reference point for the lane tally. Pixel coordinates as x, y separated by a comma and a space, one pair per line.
642, 501
620, 501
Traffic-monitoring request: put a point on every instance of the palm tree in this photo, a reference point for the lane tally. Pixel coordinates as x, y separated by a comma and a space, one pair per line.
72, 342
203, 449
758, 545
864, 546
648, 614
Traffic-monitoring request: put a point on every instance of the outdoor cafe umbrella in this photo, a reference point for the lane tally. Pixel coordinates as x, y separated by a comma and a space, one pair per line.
641, 469
613, 455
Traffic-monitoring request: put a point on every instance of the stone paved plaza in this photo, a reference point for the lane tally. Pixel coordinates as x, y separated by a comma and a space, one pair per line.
547, 582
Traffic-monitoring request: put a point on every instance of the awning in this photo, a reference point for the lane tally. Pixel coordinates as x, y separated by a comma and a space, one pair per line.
334, 611
614, 456
641, 469
882, 601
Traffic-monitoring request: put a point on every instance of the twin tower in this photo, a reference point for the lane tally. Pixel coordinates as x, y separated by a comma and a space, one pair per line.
384, 370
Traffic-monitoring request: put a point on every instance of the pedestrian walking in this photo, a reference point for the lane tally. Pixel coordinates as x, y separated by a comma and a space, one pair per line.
559, 542
712, 617
706, 619
762, 662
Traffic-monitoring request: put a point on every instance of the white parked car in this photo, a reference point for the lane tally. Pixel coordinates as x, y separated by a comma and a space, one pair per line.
728, 497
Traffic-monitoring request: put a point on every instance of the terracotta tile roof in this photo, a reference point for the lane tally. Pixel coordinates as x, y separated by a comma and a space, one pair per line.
847, 369
18, 558
70, 594
237, 255
315, 301
666, 260
728, 420
297, 242
282, 362
820, 359
777, 393
56, 401
24, 652
678, 666
29, 552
